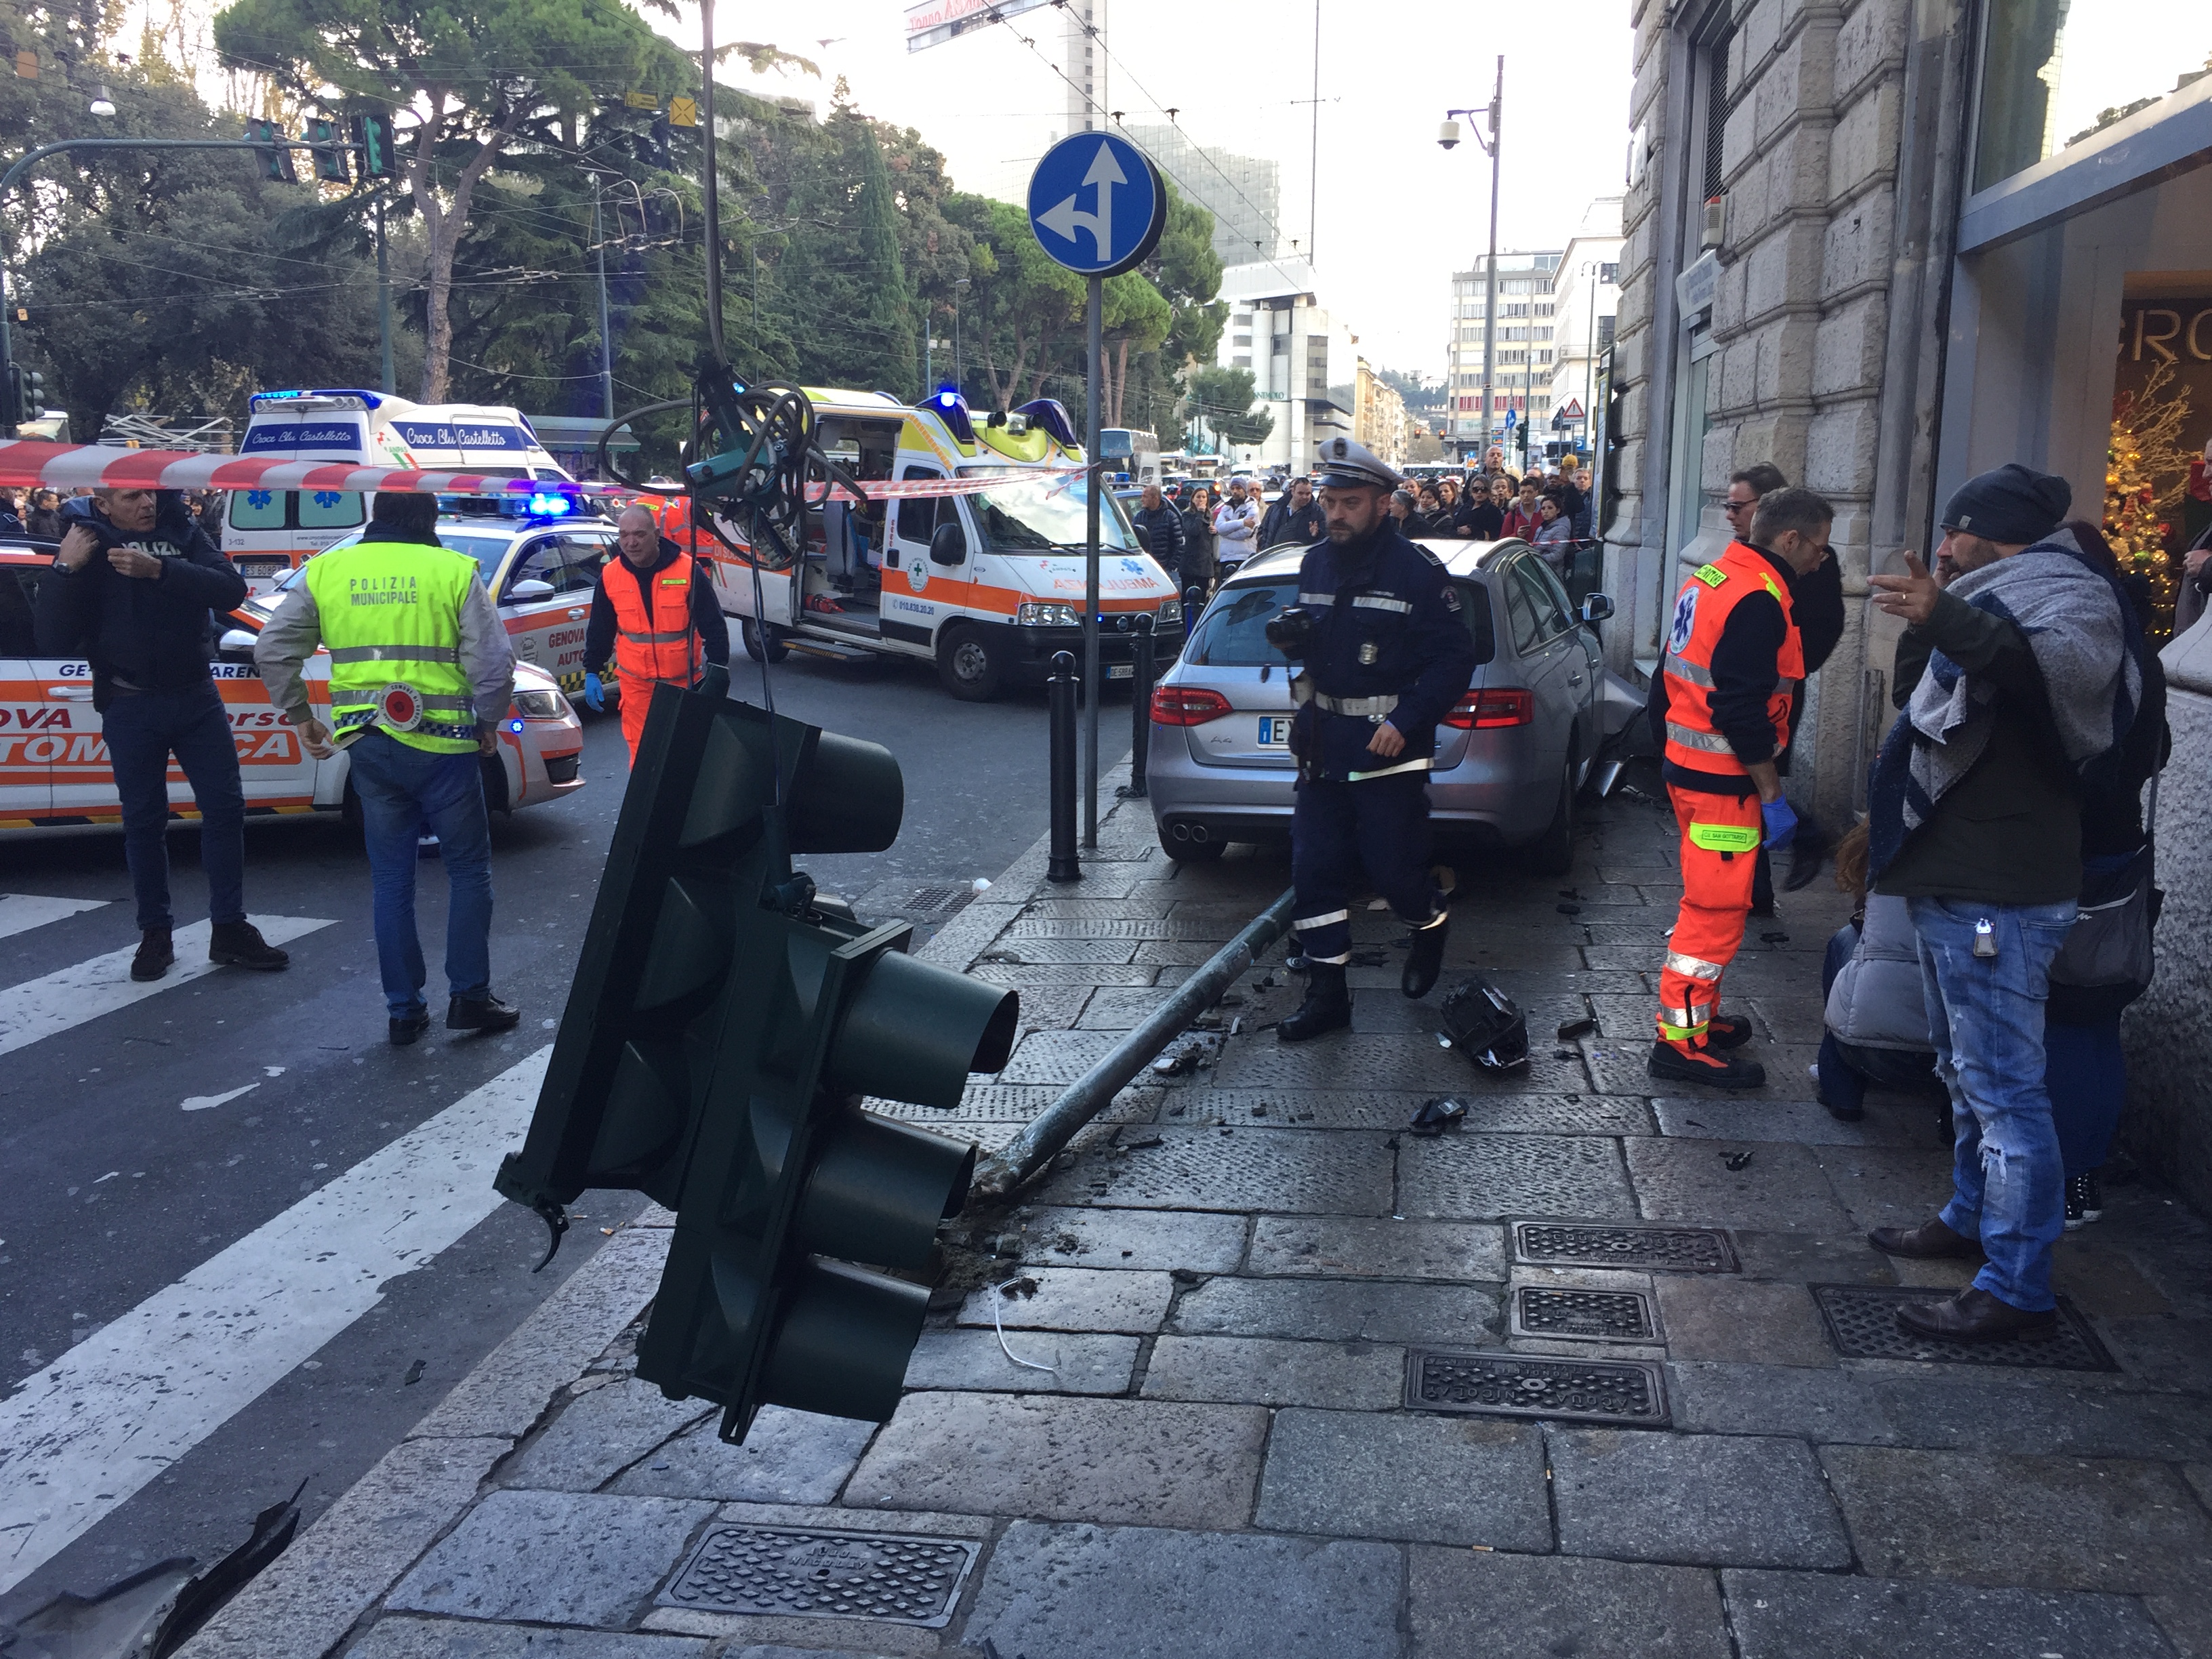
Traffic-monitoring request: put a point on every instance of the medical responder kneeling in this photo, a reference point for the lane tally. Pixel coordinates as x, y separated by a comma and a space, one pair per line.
1734, 664
1386, 654
654, 611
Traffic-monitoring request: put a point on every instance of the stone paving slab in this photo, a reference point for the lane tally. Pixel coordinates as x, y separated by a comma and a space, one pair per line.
2043, 1417
448, 1638
1759, 1321
600, 1434
1052, 976
1338, 1309
1807, 1615
1459, 1176
1139, 1462
1033, 927
1072, 1299
1354, 1376
1147, 903
1061, 953
1464, 1603
1779, 1186
1824, 1407
788, 1457
2034, 1523
1621, 1064
1888, 1186
1348, 1062
1286, 1170
2103, 1281
1057, 1057
516, 1555
1141, 1593
1810, 1258
1431, 1479
1353, 1247
2162, 1354
1118, 1008
1709, 1500
1804, 1122
1075, 1236
1393, 1108
974, 1360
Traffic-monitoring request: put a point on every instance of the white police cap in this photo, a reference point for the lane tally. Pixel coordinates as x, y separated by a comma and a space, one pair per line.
1344, 465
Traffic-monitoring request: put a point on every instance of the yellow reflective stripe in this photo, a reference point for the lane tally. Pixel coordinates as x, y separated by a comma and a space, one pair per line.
1772, 586
1694, 967
1680, 1033
1724, 837
1695, 674
1711, 574
1690, 738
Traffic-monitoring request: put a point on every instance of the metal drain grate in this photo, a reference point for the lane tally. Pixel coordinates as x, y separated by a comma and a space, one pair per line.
908, 1578
1585, 1316
924, 900
1616, 1391
1862, 1321
1604, 1244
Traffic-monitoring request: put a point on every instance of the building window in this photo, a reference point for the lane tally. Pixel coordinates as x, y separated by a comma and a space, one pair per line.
1609, 276
1718, 105
1243, 340
1241, 361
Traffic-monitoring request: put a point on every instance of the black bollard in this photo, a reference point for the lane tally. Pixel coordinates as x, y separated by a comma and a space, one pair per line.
1061, 690
1142, 670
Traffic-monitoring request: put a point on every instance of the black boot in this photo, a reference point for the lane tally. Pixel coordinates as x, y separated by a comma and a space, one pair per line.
1328, 1007
1426, 960
156, 955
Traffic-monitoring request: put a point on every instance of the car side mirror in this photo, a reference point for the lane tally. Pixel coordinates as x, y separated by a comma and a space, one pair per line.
1596, 608
523, 592
236, 645
948, 545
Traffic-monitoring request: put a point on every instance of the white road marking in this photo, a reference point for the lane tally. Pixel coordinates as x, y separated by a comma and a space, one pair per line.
81, 1436
20, 912
70, 996
209, 1102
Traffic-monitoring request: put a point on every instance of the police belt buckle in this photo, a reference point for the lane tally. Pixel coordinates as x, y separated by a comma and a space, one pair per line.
400, 707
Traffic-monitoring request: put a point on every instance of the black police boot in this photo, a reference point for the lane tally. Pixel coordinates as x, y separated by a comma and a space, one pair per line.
1426, 960
483, 1013
1328, 1007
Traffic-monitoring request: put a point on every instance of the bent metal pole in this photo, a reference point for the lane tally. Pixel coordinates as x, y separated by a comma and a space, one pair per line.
1091, 1093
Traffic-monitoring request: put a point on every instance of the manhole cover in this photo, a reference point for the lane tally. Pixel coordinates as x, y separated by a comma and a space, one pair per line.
1629, 1392
1862, 1321
1603, 1244
906, 1577
1585, 1316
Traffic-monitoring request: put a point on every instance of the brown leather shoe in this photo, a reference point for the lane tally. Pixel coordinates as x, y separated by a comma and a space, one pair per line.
1931, 1241
1975, 1315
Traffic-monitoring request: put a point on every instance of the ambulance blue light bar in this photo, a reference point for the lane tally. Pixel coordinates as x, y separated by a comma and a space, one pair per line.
274, 400
952, 409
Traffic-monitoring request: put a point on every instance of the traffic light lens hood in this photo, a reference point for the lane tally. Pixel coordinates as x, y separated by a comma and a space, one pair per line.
914, 1032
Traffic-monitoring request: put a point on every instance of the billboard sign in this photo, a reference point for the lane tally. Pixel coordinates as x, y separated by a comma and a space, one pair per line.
933, 22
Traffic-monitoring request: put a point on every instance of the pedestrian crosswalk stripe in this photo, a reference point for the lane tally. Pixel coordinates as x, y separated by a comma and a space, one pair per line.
70, 996
81, 1436
20, 912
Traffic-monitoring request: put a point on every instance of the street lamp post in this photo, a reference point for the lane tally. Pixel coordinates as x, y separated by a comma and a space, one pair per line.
1486, 135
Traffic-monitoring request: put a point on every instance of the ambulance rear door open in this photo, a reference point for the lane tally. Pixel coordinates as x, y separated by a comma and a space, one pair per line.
267, 531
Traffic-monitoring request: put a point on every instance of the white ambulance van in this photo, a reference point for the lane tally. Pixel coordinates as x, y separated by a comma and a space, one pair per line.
267, 533
987, 586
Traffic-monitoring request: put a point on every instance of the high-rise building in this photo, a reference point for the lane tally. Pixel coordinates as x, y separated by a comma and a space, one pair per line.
1585, 300
1521, 379
1279, 332
1245, 193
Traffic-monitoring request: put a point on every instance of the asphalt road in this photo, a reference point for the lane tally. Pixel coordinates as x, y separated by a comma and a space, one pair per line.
158, 1150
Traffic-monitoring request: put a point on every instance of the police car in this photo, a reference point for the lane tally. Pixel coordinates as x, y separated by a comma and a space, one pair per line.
1542, 714
54, 774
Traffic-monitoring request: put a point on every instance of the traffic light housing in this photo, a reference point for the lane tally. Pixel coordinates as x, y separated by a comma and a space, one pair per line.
724, 1026
331, 162
371, 137
275, 152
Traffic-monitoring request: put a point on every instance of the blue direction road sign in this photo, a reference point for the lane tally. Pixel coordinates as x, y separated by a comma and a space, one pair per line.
1097, 204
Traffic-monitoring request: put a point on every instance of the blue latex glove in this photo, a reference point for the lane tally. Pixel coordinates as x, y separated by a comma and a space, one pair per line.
594, 699
1781, 823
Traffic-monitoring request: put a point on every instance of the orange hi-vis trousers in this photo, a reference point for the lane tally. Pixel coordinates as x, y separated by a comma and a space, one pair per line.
636, 698
1720, 851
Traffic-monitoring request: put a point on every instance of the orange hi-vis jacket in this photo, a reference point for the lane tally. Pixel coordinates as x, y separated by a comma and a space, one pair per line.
1701, 611
653, 636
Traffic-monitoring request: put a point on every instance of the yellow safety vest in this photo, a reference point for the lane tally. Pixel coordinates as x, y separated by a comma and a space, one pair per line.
390, 617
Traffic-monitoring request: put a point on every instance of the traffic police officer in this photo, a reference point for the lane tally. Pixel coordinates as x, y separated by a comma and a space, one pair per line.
1386, 654
1722, 705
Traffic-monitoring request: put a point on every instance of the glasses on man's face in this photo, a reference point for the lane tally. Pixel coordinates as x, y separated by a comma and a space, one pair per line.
1734, 507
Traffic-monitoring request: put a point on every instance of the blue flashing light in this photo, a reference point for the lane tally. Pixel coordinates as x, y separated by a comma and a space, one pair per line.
550, 506
952, 409
515, 726
369, 399
1052, 415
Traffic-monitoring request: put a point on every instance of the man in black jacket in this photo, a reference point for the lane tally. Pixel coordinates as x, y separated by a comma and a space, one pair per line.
1159, 528
1295, 517
132, 587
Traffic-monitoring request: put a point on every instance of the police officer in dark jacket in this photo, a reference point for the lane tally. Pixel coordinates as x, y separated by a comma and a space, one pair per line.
131, 590
1159, 524
1386, 654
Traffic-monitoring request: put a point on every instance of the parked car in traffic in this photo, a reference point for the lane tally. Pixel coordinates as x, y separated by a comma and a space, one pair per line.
1539, 716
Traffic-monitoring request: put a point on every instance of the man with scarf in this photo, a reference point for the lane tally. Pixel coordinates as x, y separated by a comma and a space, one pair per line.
2018, 681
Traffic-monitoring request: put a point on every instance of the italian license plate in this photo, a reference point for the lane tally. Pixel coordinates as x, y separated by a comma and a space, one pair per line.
1121, 671
1275, 730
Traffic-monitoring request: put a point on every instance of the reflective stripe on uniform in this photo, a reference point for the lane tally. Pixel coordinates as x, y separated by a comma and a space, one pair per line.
1339, 962
1304, 922
1680, 1033
1690, 738
1379, 602
1724, 837
1421, 765
675, 638
1359, 708
1694, 967
396, 654
1695, 674
1316, 599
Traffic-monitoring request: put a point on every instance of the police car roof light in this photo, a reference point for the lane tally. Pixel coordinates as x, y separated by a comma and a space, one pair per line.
550, 506
1052, 415
952, 409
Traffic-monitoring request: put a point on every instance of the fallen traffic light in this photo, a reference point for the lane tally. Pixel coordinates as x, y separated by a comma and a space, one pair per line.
724, 1026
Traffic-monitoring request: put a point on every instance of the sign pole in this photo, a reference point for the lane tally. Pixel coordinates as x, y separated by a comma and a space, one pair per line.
1097, 473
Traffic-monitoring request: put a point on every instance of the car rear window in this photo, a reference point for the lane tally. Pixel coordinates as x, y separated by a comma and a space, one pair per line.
1233, 633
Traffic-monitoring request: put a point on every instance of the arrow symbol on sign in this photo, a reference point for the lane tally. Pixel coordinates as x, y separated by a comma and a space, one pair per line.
1062, 221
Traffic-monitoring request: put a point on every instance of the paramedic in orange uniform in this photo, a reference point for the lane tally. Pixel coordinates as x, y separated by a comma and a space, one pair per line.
1722, 705
655, 613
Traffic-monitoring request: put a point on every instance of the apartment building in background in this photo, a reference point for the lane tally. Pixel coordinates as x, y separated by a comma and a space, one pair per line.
1585, 301
1522, 381
1279, 331
1378, 414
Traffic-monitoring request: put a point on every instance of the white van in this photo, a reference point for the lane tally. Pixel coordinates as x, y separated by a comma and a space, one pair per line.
267, 533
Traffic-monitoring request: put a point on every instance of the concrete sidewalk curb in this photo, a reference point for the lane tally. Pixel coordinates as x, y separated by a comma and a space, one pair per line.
304, 1605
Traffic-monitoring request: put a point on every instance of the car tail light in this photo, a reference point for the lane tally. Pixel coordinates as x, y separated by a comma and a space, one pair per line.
1188, 705
1481, 710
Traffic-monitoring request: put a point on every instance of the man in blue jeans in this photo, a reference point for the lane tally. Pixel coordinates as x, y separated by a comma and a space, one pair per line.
133, 585
420, 676
2018, 680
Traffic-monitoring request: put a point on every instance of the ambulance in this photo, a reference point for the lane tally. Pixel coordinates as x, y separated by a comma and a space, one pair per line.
986, 584
268, 532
